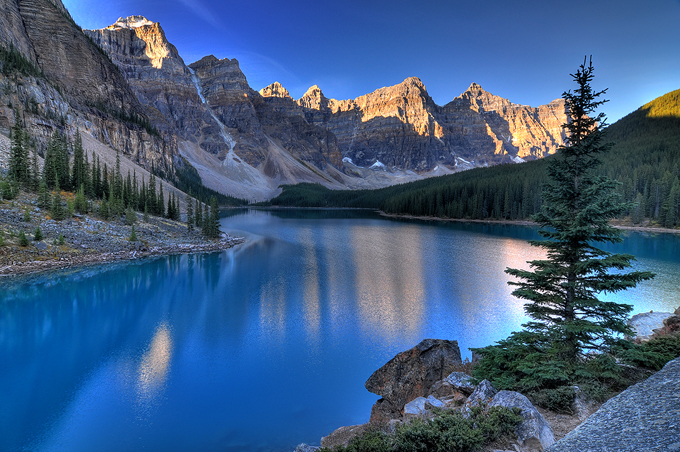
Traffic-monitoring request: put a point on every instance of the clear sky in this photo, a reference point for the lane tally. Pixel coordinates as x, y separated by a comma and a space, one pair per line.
521, 50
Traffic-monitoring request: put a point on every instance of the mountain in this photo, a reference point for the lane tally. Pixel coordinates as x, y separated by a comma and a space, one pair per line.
67, 82
128, 86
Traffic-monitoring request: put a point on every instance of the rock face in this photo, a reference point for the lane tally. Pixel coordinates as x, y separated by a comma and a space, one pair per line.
157, 75
534, 433
411, 374
482, 395
644, 417
81, 87
401, 126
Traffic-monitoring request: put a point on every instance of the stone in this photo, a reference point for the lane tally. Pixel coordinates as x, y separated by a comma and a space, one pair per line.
382, 412
420, 405
534, 433
306, 448
412, 373
42, 246
343, 435
644, 324
482, 395
457, 386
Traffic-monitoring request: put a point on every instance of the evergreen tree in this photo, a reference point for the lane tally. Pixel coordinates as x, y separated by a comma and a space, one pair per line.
199, 214
160, 203
44, 199
190, 214
568, 318
211, 225
57, 212
19, 168
38, 235
78, 172
34, 184
80, 203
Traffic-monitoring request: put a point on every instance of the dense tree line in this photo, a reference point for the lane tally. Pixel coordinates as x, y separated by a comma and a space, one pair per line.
97, 188
645, 160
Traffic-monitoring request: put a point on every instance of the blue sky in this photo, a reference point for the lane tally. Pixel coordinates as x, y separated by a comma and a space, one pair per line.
521, 50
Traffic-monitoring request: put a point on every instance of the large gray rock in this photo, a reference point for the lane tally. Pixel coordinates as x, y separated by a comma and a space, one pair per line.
644, 417
534, 433
412, 373
643, 325
481, 396
421, 406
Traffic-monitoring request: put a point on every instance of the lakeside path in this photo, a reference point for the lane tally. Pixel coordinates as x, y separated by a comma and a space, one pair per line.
520, 223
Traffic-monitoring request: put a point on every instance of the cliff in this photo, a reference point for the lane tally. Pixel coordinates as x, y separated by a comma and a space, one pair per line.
79, 86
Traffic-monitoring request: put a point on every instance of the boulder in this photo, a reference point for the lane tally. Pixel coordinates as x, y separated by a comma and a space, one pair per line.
412, 373
481, 396
457, 385
643, 325
421, 406
534, 433
383, 412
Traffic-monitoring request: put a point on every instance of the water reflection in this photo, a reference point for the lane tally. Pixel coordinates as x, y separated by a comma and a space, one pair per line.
183, 353
152, 372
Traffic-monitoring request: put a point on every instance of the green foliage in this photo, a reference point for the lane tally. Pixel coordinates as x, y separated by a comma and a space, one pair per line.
23, 240
104, 210
130, 216
19, 165
568, 318
2, 238
190, 214
57, 211
12, 61
563, 289
38, 235
449, 431
8, 189
27, 215
133, 234
80, 202
211, 221
133, 117
61, 240
189, 181
653, 354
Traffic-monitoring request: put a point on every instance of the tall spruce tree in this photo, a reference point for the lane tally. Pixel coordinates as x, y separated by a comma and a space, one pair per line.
19, 168
564, 290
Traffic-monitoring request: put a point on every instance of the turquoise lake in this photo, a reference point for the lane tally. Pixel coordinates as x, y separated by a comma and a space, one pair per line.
266, 345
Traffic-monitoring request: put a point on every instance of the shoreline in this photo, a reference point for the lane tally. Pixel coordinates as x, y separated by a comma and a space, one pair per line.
39, 266
519, 223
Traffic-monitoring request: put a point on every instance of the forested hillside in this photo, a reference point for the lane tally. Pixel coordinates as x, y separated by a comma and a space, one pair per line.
645, 158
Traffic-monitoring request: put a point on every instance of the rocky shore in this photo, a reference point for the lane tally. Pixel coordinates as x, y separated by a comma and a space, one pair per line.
431, 376
88, 240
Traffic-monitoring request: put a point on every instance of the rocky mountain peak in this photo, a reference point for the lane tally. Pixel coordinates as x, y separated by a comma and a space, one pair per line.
313, 99
275, 90
130, 22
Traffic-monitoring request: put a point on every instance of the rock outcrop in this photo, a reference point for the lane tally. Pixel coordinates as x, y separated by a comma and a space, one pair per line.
534, 432
644, 417
411, 374
645, 324
80, 86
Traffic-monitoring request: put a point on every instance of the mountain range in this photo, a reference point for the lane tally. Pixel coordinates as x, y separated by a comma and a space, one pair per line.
129, 88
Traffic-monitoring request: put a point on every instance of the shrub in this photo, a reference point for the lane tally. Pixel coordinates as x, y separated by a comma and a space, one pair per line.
38, 235
27, 215
133, 234
653, 354
23, 240
448, 431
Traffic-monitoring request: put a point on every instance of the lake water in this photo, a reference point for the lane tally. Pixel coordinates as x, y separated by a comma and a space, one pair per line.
264, 346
